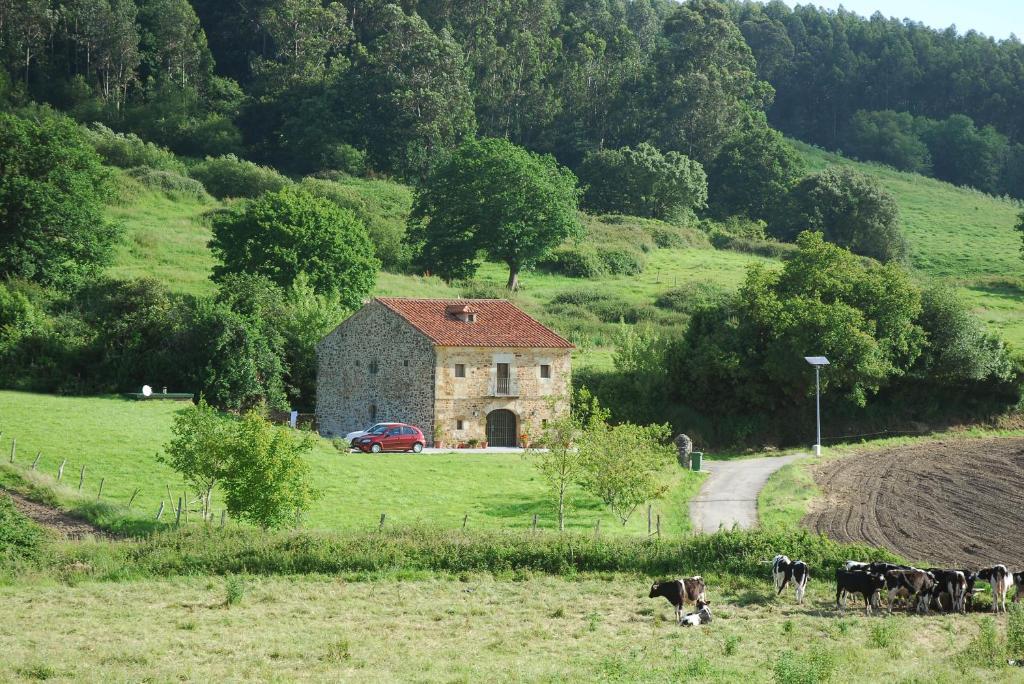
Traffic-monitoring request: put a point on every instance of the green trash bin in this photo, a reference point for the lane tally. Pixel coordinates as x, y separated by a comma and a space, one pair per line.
696, 458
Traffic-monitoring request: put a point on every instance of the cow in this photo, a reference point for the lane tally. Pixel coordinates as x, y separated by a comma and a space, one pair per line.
912, 583
1018, 580
880, 568
784, 571
1000, 579
971, 578
866, 584
701, 617
855, 566
953, 583
679, 592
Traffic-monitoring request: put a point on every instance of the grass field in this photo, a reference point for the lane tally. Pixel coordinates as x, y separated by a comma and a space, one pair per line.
473, 629
118, 440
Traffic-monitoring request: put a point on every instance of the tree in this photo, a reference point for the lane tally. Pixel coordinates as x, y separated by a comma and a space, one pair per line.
307, 35
285, 233
559, 461
307, 317
410, 95
495, 198
52, 190
200, 449
267, 479
752, 173
624, 465
643, 182
850, 208
704, 82
173, 44
889, 137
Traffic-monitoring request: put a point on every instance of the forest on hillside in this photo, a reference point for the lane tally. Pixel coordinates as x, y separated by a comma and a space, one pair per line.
322, 143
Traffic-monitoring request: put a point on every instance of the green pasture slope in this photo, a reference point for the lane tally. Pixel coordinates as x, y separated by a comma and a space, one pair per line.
959, 235
117, 440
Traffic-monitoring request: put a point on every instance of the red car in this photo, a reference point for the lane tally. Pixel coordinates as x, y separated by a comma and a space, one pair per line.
393, 437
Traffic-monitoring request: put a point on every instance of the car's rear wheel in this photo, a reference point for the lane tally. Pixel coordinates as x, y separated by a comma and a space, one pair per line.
417, 447
375, 448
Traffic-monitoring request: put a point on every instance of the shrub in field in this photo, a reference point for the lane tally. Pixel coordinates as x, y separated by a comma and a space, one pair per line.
621, 260
814, 666
678, 237
1015, 632
692, 296
338, 651
229, 176
234, 590
20, 538
475, 289
885, 634
128, 150
986, 649
173, 185
575, 262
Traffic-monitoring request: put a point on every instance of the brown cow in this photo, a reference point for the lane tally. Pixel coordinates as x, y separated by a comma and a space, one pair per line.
679, 592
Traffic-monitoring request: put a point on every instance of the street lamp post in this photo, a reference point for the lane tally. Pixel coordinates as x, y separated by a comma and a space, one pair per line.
817, 362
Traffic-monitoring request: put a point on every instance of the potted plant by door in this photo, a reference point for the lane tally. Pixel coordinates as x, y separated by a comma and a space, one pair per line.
439, 438
524, 441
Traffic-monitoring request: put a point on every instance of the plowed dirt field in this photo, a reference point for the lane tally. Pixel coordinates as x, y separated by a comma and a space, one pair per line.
951, 502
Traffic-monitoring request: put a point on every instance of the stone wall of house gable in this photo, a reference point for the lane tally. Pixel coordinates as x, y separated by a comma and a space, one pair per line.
469, 399
402, 389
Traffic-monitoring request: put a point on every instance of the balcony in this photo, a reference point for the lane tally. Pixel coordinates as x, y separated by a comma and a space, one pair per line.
503, 387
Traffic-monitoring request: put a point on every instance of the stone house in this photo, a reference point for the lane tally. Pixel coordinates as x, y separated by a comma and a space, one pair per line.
458, 369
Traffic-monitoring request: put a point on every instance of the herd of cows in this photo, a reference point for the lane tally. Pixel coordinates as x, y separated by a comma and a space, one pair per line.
947, 589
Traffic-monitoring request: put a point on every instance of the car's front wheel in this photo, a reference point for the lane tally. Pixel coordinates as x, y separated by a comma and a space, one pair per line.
417, 447
375, 448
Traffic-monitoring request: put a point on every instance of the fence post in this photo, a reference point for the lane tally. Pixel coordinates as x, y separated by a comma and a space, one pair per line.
100, 492
81, 479
465, 519
648, 520
60, 471
534, 522
659, 526
382, 517
223, 517
132, 500
14, 447
185, 499
36, 462
597, 528
161, 511
177, 518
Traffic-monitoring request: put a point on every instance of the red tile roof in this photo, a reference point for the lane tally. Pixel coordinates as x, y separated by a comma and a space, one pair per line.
499, 323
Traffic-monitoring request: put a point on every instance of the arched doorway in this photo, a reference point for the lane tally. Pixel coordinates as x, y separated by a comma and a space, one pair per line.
501, 429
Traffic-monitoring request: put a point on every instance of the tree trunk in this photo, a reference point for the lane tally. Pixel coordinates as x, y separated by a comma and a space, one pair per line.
513, 278
561, 511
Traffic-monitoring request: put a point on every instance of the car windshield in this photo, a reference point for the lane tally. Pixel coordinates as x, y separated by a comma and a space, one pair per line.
377, 430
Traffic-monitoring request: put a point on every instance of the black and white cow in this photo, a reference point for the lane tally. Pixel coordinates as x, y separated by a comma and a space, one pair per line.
952, 583
1018, 580
701, 617
785, 571
971, 577
866, 584
679, 592
855, 566
913, 584
1000, 579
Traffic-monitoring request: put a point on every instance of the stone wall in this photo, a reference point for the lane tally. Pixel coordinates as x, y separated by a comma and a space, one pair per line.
472, 398
401, 389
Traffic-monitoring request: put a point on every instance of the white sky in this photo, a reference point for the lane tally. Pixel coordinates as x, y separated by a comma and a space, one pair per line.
996, 18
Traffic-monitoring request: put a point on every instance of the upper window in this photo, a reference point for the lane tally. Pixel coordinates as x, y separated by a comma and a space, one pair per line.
545, 371
373, 367
460, 370
406, 363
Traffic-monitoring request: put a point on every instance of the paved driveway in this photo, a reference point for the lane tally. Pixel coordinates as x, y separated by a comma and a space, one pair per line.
729, 495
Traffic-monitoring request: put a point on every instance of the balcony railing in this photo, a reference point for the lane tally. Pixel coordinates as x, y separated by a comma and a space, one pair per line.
504, 387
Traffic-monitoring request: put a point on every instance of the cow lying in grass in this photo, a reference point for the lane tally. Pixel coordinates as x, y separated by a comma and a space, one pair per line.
785, 571
679, 592
701, 617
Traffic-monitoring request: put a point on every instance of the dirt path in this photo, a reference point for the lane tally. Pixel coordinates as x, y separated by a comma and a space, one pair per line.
729, 495
53, 519
955, 502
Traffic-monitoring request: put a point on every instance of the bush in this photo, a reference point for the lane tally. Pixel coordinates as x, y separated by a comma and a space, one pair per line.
234, 590
575, 262
677, 237
343, 158
766, 248
621, 260
229, 176
691, 297
20, 538
1015, 631
171, 184
585, 298
986, 649
127, 150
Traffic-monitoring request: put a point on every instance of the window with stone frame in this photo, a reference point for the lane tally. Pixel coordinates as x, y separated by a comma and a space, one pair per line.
459, 424
460, 370
545, 371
